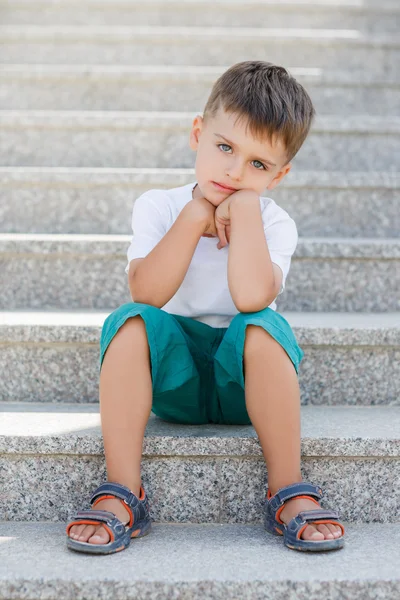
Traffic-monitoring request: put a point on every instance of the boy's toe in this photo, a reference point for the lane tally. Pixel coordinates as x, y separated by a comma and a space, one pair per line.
325, 531
101, 536
311, 533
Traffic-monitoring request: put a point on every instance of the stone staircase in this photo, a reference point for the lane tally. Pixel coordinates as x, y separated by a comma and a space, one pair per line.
96, 97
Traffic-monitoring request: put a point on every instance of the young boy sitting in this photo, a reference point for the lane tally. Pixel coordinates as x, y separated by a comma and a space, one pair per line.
202, 341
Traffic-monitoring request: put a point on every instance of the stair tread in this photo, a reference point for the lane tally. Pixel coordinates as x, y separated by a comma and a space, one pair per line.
318, 328
179, 120
217, 557
169, 177
68, 428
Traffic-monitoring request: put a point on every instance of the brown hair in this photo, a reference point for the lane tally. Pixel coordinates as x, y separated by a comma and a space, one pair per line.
271, 100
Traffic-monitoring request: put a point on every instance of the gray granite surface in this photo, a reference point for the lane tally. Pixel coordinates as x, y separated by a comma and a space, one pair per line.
72, 271
52, 459
323, 48
45, 428
159, 139
206, 562
370, 16
96, 201
130, 87
349, 359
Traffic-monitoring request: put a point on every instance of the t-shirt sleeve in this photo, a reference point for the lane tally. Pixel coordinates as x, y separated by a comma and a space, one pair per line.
149, 223
282, 237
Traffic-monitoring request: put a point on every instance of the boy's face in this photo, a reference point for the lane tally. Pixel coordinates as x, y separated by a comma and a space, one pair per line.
230, 156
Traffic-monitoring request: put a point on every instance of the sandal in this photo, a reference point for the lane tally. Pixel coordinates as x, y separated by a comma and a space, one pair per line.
139, 523
292, 531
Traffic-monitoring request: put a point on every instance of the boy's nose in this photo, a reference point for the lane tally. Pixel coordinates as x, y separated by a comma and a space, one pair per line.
235, 172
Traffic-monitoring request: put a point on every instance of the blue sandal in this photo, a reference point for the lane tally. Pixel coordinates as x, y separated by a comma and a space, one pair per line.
120, 535
292, 531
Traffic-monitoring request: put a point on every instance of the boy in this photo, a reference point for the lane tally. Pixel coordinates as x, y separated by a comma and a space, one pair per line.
202, 341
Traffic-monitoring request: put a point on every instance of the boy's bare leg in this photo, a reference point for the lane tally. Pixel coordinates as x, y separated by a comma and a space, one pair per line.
125, 406
273, 405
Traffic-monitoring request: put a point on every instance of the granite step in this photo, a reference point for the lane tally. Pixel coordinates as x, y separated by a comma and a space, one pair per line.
73, 271
374, 17
199, 562
350, 358
125, 87
52, 458
168, 45
99, 201
161, 139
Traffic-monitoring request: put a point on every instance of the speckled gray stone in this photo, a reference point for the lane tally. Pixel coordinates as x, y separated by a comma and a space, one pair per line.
160, 139
149, 44
373, 17
88, 272
52, 459
129, 87
349, 358
100, 201
199, 562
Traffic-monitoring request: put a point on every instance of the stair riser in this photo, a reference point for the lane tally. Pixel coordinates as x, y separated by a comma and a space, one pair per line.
58, 281
77, 92
105, 207
330, 374
170, 50
200, 490
202, 14
169, 147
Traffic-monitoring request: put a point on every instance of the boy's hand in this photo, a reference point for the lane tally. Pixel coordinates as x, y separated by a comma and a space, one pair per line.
223, 217
223, 222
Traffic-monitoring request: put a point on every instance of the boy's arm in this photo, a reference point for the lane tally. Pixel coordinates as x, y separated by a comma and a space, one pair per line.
254, 281
156, 279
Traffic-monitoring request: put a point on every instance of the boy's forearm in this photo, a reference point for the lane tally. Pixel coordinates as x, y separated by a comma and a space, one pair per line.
250, 272
160, 274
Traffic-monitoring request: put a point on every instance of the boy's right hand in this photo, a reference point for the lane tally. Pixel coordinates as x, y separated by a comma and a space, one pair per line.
205, 211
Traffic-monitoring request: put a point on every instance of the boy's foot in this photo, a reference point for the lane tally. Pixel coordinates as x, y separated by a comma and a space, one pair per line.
312, 532
97, 534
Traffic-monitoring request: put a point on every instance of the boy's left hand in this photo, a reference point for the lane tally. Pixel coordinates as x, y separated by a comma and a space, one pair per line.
223, 218
223, 222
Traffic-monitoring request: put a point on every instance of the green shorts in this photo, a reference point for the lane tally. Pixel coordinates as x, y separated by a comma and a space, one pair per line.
197, 370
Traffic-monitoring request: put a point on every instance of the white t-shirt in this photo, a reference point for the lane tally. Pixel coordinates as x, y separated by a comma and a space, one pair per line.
204, 293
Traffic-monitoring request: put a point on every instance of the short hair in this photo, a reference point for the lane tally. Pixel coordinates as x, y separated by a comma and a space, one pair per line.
269, 98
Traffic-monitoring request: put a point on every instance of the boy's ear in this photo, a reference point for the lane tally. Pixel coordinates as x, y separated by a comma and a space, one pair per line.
284, 171
195, 132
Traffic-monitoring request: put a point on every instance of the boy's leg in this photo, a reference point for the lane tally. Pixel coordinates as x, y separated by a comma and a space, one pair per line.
125, 406
273, 404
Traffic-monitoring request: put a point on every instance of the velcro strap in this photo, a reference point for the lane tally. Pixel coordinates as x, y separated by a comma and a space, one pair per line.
115, 489
293, 490
95, 515
312, 515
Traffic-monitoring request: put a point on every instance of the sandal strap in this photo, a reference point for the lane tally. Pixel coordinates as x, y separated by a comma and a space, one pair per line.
298, 523
137, 509
312, 515
115, 526
293, 490
118, 490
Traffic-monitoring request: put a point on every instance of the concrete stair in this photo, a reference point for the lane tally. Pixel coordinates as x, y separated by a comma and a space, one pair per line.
350, 358
148, 139
96, 100
164, 87
197, 474
198, 562
55, 267
374, 16
99, 200
150, 44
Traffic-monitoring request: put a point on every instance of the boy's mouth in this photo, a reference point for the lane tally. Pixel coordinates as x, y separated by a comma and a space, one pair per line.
223, 188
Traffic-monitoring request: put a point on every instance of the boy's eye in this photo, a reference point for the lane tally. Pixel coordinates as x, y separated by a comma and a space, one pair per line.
258, 164
225, 146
